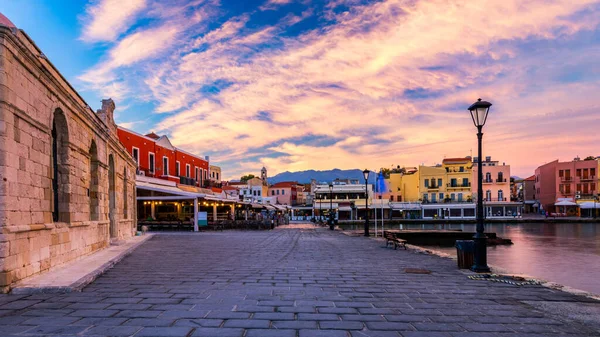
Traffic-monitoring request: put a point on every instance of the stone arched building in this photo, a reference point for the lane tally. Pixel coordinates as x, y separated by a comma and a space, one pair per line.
67, 186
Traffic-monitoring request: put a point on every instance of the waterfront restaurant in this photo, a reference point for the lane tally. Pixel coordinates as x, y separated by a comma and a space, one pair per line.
166, 205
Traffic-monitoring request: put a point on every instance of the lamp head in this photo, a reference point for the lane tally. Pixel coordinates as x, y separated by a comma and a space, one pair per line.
479, 112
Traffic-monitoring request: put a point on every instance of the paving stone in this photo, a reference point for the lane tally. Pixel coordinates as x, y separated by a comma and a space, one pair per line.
318, 317
215, 332
275, 316
368, 333
50, 320
100, 321
164, 332
270, 333
363, 318
104, 330
341, 325
93, 313
395, 326
247, 323
294, 325
322, 333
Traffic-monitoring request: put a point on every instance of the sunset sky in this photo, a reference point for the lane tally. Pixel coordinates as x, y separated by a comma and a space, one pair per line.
297, 85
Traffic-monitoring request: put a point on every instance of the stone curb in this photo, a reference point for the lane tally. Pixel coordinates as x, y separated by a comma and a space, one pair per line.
78, 285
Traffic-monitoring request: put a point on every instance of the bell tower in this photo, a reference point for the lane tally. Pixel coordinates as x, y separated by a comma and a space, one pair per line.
263, 175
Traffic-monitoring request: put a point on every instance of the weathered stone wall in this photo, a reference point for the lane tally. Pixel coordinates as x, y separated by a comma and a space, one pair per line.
34, 99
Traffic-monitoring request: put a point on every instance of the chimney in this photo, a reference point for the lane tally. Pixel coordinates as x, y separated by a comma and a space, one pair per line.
207, 158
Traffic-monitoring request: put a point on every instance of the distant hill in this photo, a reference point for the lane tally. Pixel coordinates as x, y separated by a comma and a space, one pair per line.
304, 177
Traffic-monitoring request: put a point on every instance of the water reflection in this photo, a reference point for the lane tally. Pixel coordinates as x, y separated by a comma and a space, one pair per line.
568, 254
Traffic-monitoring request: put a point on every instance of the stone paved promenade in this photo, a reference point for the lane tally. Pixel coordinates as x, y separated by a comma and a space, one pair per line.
287, 282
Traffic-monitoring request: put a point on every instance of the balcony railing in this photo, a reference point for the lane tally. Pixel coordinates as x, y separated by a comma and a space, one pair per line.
433, 187
488, 181
501, 180
565, 178
494, 199
450, 185
587, 178
187, 181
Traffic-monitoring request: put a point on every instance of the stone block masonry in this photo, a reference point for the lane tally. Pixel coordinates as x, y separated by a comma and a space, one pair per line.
66, 183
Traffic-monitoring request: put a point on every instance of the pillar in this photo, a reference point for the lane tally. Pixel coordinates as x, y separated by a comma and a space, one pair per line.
152, 210
246, 213
232, 208
215, 211
195, 214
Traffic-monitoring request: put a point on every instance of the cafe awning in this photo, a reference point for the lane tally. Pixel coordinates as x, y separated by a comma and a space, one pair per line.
589, 205
565, 203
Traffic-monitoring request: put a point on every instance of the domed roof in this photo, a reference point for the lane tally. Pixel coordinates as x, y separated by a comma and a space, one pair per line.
4, 21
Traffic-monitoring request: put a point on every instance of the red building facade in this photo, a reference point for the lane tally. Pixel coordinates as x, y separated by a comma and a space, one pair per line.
158, 158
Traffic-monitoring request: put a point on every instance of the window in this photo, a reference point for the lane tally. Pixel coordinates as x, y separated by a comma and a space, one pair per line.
488, 177
197, 170
488, 195
136, 155
272, 192
283, 192
568, 173
465, 182
592, 187
165, 166
439, 182
94, 191
178, 169
578, 172
568, 189
151, 162
461, 169
441, 196
391, 198
585, 189
277, 192
187, 170
593, 172
500, 177
460, 197
259, 193
561, 173
453, 182
500, 195
578, 187
452, 197
424, 196
217, 175
426, 182
433, 197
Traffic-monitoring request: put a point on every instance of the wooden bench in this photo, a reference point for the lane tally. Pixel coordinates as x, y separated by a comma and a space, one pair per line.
391, 239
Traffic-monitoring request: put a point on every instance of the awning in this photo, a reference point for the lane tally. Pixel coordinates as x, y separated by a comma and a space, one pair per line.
257, 205
270, 207
165, 189
345, 209
565, 203
589, 205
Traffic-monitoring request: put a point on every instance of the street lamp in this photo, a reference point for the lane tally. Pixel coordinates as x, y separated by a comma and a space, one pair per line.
479, 113
366, 175
331, 206
320, 208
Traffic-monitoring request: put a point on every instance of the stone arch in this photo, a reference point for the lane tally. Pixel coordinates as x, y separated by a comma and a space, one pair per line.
112, 195
59, 163
93, 189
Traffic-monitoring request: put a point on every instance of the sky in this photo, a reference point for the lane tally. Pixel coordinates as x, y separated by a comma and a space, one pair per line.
302, 84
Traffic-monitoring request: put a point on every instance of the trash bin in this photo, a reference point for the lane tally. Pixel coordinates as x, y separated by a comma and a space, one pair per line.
465, 250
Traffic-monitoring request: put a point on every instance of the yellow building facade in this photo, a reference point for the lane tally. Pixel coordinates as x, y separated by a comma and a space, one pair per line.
404, 187
448, 182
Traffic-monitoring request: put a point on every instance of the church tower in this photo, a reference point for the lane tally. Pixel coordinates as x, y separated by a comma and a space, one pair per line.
263, 175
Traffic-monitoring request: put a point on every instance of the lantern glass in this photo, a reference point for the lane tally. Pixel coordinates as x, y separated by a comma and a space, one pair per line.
479, 112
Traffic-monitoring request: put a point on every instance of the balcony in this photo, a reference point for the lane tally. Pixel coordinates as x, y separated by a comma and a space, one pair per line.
142, 171
501, 180
566, 178
588, 178
187, 181
433, 187
488, 181
494, 199
458, 186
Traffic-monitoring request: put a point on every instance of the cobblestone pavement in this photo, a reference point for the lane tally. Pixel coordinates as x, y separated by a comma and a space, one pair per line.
288, 282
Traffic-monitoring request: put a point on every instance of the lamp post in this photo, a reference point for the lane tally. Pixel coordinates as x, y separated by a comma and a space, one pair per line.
595, 199
331, 206
366, 175
320, 208
479, 113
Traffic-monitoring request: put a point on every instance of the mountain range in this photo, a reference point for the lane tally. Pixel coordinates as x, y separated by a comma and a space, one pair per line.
327, 176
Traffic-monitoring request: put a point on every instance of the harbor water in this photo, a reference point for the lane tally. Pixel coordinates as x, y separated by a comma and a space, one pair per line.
565, 253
